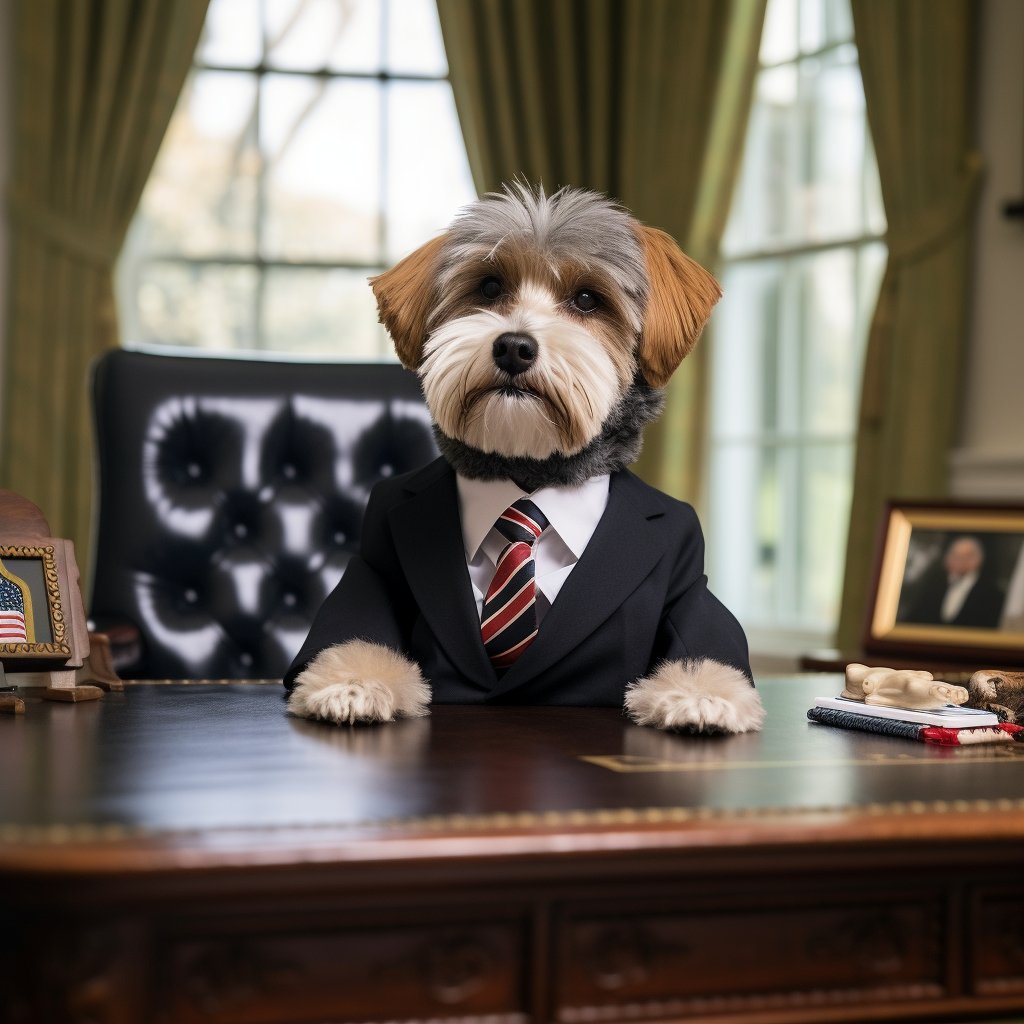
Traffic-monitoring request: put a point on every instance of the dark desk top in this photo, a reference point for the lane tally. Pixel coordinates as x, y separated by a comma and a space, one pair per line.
214, 772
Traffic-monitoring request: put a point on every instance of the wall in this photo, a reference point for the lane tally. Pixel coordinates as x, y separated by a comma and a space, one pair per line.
989, 459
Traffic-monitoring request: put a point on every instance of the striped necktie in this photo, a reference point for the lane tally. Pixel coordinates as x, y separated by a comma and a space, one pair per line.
509, 621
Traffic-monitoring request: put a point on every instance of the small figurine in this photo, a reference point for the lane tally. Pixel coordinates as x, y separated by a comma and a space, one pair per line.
999, 692
900, 688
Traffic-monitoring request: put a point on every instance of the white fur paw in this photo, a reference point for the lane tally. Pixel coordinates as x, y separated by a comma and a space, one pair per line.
359, 682
695, 696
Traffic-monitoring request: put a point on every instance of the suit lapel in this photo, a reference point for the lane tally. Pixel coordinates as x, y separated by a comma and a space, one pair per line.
625, 547
428, 538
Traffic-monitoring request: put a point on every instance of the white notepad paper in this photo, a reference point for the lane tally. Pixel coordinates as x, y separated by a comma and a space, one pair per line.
949, 717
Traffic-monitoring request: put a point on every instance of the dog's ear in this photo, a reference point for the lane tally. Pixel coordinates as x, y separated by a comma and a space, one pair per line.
403, 296
679, 302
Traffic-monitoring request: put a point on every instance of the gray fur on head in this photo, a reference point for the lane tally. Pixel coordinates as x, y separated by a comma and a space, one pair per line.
617, 445
570, 224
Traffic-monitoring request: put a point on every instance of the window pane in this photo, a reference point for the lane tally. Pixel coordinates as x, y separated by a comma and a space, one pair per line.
779, 38
428, 173
832, 114
765, 207
824, 22
739, 571
415, 46
826, 477
830, 374
327, 313
753, 504
744, 343
807, 176
231, 34
310, 35
201, 198
198, 305
321, 143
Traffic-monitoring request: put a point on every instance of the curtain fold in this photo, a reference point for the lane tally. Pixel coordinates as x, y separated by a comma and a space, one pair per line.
645, 100
96, 82
916, 59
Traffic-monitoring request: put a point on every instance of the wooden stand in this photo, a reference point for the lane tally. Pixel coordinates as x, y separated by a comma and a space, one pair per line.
85, 670
72, 694
10, 702
98, 670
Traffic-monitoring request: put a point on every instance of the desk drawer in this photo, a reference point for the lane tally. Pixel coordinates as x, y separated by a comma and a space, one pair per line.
997, 941
660, 961
414, 971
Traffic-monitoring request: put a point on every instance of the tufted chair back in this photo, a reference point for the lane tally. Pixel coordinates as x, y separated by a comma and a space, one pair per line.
231, 495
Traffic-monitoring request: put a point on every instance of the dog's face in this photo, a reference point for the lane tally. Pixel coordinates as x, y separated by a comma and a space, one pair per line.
530, 317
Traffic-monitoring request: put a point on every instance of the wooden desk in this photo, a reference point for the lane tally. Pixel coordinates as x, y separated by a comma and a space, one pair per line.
188, 853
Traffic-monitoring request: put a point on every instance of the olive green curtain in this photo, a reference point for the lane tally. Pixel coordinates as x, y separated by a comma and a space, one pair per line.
645, 100
95, 83
916, 58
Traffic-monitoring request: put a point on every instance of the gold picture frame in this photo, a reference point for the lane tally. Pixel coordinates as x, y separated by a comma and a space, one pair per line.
34, 614
949, 582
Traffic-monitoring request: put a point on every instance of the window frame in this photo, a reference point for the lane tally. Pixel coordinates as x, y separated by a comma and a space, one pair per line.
259, 262
774, 644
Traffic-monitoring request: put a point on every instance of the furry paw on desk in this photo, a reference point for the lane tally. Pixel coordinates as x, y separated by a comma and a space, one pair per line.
360, 682
695, 696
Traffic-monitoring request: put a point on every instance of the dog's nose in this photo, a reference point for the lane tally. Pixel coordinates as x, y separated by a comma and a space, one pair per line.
514, 353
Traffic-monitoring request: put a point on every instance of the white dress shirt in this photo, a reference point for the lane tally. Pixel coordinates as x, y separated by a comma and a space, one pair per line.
956, 594
572, 513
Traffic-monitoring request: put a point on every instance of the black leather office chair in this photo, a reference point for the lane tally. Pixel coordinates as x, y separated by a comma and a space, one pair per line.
231, 494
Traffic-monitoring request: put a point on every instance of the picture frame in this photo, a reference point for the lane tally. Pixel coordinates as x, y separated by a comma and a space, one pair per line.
36, 625
949, 583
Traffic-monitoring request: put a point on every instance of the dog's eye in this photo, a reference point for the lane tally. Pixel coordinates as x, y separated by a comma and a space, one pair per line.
490, 288
586, 301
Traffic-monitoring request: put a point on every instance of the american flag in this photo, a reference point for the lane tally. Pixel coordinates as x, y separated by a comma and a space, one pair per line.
12, 613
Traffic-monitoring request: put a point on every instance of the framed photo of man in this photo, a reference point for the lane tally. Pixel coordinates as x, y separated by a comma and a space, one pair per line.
949, 582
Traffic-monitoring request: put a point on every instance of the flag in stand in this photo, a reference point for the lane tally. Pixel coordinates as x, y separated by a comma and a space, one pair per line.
13, 629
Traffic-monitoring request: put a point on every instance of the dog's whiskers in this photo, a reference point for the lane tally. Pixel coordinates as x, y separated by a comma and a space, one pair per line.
590, 405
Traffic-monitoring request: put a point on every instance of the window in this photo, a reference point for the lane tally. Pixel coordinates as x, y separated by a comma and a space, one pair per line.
803, 260
315, 143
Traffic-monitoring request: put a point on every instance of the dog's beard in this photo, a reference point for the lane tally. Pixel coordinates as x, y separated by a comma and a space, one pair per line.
555, 408
617, 444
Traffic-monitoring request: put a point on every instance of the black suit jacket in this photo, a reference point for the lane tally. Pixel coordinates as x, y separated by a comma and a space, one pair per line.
982, 608
637, 595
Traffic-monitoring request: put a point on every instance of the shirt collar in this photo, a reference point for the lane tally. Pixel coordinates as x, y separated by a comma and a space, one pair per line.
572, 512
966, 580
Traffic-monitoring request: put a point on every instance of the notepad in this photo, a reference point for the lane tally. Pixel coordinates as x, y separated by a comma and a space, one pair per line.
949, 717
983, 735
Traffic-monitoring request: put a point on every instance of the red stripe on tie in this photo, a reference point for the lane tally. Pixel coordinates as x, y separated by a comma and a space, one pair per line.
508, 614
513, 515
510, 562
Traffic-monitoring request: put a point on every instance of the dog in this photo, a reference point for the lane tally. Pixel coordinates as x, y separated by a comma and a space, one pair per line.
544, 329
